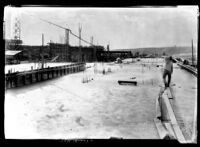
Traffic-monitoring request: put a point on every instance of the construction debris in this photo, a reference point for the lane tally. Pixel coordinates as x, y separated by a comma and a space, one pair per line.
127, 82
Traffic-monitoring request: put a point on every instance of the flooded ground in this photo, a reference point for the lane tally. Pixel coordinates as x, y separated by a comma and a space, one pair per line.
66, 108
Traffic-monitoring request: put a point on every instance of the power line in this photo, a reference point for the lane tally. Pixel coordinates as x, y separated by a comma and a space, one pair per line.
52, 23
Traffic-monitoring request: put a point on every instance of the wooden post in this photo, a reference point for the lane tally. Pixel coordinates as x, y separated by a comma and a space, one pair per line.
36, 76
31, 78
24, 79
7, 82
47, 74
10, 82
161, 129
192, 54
53, 73
41, 76
164, 113
15, 81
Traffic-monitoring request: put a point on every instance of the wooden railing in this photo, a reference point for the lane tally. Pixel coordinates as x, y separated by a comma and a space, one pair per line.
28, 77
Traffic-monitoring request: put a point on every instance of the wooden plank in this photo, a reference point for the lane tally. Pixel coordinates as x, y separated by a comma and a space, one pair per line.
164, 112
170, 130
169, 109
158, 109
162, 89
172, 92
169, 93
127, 82
191, 70
160, 128
174, 123
194, 132
178, 133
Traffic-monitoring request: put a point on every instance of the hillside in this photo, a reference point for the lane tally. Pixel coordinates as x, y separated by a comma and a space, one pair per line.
167, 50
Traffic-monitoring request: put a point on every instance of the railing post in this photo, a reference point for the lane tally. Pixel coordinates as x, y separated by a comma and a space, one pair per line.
31, 80
24, 79
37, 76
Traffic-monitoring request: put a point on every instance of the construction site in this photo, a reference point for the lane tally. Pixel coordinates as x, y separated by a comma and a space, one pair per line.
64, 91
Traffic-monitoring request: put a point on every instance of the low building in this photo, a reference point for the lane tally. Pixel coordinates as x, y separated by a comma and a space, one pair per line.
61, 51
108, 56
12, 56
74, 53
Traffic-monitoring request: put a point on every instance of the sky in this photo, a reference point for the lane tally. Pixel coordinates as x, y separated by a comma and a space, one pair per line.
121, 28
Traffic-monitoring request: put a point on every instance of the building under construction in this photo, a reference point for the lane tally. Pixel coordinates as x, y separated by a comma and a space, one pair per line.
74, 53
59, 52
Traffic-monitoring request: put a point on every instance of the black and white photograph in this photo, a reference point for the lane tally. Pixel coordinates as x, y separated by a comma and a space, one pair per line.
101, 73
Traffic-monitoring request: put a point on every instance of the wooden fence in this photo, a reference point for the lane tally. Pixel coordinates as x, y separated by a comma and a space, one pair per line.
18, 79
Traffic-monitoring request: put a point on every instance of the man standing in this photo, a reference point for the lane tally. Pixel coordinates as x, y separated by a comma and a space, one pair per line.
168, 70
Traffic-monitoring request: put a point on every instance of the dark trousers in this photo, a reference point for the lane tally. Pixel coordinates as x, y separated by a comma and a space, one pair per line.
167, 73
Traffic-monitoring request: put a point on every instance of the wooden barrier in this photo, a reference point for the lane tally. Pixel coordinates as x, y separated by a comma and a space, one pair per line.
168, 118
188, 68
23, 78
163, 133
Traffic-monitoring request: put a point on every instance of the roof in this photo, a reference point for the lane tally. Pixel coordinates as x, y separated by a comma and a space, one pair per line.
11, 53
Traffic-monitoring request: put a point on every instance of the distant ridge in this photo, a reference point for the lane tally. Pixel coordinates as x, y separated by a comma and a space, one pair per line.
160, 50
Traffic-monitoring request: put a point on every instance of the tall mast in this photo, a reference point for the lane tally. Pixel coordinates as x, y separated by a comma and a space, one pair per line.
192, 54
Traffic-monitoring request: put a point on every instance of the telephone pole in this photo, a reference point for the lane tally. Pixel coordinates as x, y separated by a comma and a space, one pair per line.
80, 52
192, 54
67, 53
91, 40
42, 51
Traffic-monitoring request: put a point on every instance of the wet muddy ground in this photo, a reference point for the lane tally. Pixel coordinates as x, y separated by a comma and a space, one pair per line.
66, 108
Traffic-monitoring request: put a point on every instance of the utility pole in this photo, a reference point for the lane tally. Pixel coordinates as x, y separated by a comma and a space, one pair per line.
94, 48
108, 46
91, 40
4, 30
68, 53
42, 51
80, 52
50, 49
192, 54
